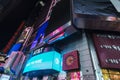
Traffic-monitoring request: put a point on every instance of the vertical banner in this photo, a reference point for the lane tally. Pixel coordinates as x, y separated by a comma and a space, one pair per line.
10, 60
16, 62
19, 67
24, 35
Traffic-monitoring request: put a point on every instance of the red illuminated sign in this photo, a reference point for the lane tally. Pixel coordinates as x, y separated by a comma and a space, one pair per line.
71, 60
108, 50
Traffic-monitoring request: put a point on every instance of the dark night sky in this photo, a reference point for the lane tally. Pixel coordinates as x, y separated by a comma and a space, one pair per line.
8, 28
11, 21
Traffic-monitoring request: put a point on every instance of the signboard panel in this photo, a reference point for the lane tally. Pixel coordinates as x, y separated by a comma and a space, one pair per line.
44, 61
108, 50
71, 60
24, 35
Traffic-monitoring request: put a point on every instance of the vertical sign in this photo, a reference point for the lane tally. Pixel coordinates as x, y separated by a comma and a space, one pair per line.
24, 35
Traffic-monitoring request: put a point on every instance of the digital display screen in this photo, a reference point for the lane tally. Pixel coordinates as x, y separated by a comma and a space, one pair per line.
44, 61
40, 34
15, 47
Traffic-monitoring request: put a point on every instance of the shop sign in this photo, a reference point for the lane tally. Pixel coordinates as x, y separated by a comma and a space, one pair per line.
71, 60
108, 50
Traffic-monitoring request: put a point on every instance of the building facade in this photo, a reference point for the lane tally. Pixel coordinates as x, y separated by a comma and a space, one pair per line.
68, 42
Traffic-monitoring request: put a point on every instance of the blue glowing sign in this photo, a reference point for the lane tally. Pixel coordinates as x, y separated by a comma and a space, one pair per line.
15, 47
44, 61
40, 34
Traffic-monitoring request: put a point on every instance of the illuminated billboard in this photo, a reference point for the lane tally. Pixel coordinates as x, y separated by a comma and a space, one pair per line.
40, 34
45, 61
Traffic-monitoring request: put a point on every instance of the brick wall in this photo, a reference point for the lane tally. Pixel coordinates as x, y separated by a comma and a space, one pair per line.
80, 43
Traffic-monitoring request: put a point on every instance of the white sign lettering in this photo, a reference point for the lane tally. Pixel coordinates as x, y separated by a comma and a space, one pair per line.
38, 51
34, 62
113, 61
57, 61
108, 36
117, 48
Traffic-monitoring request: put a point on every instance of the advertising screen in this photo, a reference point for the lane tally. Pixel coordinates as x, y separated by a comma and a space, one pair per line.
44, 61
40, 34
